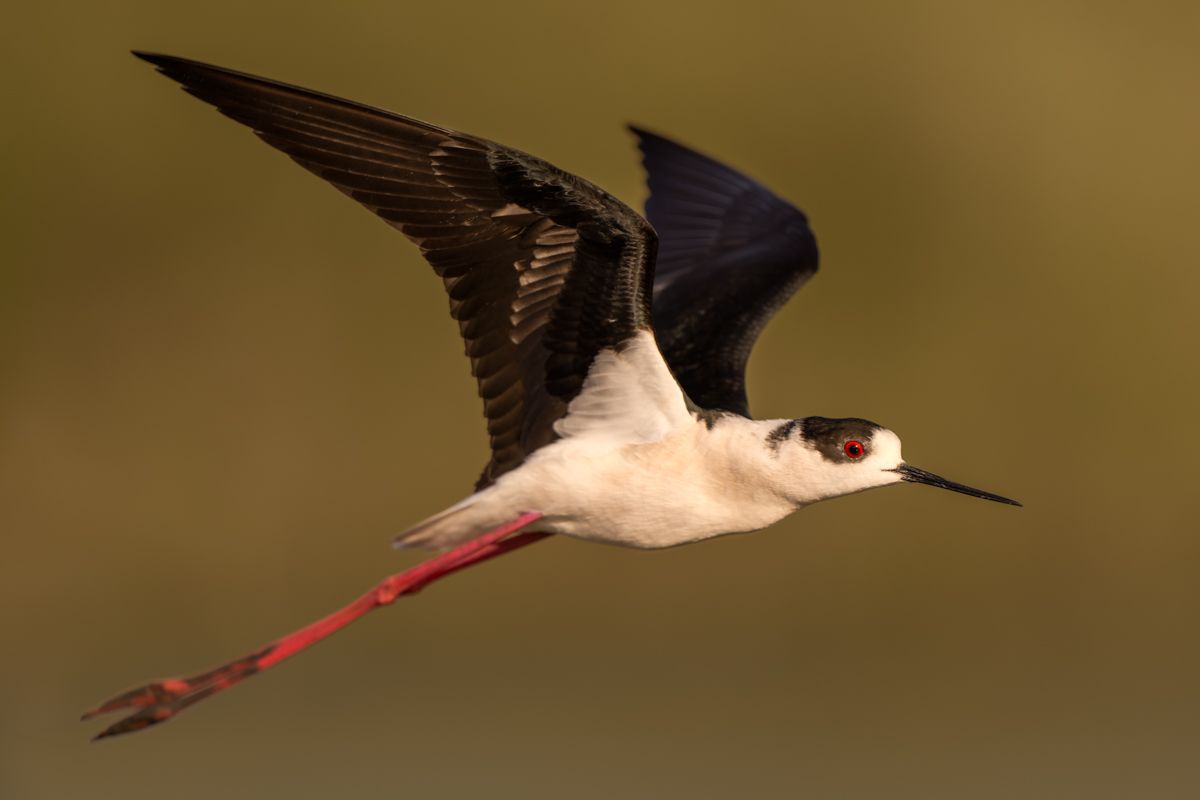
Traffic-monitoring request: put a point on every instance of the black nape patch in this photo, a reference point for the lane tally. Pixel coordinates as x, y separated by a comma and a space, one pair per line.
827, 436
782, 433
708, 416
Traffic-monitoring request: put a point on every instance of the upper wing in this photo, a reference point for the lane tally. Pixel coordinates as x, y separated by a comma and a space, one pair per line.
544, 270
730, 255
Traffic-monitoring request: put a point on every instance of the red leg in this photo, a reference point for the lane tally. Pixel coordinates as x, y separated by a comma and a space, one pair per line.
160, 701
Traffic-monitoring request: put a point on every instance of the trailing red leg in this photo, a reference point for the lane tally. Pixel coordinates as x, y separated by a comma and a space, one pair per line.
160, 701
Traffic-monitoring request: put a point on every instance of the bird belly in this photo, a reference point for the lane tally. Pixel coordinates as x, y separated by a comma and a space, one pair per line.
648, 495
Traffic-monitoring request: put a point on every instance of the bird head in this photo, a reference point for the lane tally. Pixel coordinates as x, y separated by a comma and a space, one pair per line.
834, 457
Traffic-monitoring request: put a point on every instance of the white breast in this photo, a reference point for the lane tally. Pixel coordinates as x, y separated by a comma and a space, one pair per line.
695, 483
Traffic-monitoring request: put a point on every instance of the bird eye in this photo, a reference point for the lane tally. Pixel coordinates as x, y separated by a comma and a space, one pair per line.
853, 449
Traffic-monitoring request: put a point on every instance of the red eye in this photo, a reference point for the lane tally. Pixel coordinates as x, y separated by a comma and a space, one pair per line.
853, 449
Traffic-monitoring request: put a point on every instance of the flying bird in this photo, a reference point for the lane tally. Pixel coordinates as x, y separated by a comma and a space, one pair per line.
609, 348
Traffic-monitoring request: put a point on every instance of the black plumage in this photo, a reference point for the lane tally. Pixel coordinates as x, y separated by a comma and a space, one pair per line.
730, 255
543, 269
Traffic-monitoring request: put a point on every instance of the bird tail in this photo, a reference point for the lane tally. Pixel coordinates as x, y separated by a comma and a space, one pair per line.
444, 529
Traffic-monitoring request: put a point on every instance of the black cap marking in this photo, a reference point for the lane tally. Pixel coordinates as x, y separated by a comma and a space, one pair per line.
827, 436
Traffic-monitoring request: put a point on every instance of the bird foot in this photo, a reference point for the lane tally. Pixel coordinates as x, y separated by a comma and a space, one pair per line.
160, 701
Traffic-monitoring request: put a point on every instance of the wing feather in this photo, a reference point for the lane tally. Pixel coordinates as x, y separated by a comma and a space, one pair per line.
543, 270
730, 255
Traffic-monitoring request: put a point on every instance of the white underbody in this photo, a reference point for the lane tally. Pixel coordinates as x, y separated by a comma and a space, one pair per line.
684, 487
635, 467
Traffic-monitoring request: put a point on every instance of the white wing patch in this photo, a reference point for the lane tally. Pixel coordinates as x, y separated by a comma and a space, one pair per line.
628, 396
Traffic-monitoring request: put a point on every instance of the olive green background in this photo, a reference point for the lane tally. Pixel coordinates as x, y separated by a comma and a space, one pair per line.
223, 387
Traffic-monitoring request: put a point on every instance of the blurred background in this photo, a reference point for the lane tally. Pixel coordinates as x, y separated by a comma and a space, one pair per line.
223, 386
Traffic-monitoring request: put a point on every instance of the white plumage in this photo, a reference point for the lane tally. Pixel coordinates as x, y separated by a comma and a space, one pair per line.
635, 467
616, 403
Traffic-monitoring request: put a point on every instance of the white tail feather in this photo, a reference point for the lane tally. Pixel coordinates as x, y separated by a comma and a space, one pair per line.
441, 530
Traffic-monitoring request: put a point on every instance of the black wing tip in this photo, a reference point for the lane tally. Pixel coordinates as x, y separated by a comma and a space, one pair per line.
648, 138
643, 136
153, 58
166, 63
189, 71
181, 70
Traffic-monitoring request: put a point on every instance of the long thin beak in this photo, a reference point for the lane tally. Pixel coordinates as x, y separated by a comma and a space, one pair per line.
915, 475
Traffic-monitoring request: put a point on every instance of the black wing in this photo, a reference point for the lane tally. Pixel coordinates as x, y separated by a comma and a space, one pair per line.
730, 255
544, 270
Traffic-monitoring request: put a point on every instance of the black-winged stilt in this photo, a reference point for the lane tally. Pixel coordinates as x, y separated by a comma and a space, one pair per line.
612, 380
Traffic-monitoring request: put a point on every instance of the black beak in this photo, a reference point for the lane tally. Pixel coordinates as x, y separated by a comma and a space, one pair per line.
915, 475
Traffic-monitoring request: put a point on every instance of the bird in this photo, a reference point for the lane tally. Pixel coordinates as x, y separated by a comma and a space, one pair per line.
609, 348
